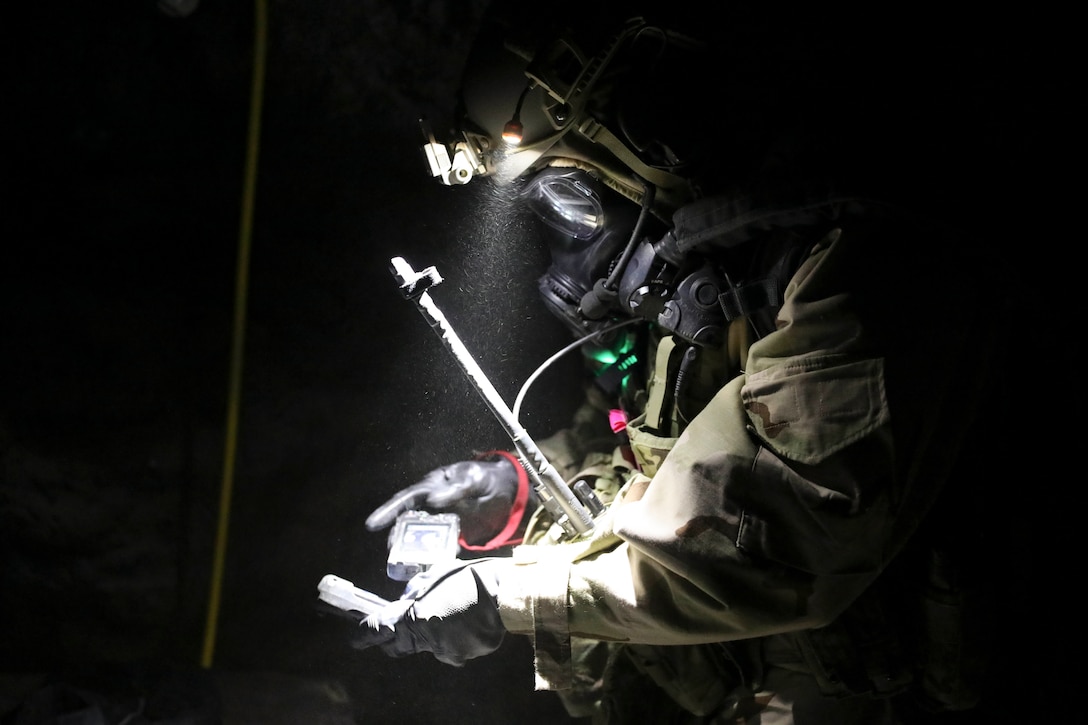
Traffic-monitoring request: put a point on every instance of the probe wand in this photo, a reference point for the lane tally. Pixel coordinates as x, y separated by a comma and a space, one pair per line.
554, 493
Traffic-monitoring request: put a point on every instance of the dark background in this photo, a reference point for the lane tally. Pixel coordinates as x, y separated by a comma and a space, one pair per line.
124, 161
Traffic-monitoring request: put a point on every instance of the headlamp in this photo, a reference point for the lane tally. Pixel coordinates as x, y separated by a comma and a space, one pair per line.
460, 161
566, 200
466, 161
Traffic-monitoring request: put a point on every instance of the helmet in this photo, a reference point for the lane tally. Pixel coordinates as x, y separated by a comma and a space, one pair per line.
611, 93
692, 98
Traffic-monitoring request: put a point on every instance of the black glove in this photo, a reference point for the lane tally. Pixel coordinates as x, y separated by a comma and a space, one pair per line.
484, 494
450, 611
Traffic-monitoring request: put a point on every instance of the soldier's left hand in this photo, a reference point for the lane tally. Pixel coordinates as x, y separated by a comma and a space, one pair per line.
450, 611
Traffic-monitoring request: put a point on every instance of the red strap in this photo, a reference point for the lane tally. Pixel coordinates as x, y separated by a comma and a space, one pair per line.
517, 511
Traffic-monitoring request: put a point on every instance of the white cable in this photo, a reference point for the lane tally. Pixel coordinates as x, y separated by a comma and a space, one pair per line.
544, 365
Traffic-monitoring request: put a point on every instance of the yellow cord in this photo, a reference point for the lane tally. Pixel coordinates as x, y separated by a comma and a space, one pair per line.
238, 340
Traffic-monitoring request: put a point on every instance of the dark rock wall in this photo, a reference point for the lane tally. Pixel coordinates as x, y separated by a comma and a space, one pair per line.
126, 152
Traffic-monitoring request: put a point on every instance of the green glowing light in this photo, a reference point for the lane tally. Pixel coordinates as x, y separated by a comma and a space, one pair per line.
605, 357
609, 356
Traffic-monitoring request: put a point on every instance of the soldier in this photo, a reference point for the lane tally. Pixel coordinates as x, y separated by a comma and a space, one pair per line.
788, 356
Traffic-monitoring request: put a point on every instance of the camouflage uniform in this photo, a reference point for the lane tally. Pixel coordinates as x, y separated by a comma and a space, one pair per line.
743, 568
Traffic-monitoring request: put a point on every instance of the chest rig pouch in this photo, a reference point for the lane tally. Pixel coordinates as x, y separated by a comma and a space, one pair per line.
712, 286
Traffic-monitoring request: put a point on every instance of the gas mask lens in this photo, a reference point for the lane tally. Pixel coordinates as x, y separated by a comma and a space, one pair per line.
565, 200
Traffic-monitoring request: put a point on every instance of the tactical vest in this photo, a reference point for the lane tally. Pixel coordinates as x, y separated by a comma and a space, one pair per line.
912, 631
920, 629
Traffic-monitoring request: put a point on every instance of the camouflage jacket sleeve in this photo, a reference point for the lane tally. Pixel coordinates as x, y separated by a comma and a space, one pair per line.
773, 511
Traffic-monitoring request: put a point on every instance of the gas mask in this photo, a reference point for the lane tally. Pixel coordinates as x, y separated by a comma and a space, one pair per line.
587, 229
605, 262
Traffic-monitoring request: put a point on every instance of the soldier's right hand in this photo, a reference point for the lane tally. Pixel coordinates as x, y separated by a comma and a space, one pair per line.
484, 494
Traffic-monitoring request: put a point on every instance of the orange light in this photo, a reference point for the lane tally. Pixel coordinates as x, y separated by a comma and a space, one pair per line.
512, 132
